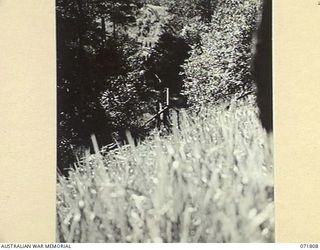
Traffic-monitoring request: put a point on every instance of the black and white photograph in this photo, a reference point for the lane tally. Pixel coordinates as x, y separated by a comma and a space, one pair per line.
164, 121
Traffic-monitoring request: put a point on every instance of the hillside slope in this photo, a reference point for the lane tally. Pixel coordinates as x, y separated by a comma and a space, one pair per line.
211, 181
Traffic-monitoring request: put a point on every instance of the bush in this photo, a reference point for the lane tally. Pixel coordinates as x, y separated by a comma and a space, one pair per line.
219, 65
122, 102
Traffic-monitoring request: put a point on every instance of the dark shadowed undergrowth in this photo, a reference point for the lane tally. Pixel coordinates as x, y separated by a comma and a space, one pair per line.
210, 181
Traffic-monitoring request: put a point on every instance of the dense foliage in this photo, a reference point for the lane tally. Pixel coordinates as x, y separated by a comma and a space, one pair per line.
210, 179
219, 65
108, 81
88, 53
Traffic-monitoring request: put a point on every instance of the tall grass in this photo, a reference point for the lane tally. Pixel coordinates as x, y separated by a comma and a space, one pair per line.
210, 181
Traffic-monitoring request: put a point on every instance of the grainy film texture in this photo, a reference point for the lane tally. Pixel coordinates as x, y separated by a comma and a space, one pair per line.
164, 121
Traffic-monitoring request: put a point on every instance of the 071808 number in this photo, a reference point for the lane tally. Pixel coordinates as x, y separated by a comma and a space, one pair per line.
309, 246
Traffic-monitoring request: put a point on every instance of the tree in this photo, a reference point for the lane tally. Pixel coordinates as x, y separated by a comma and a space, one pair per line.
86, 57
117, 11
185, 11
220, 69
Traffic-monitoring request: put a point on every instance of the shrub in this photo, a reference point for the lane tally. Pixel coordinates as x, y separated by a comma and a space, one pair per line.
121, 102
219, 65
